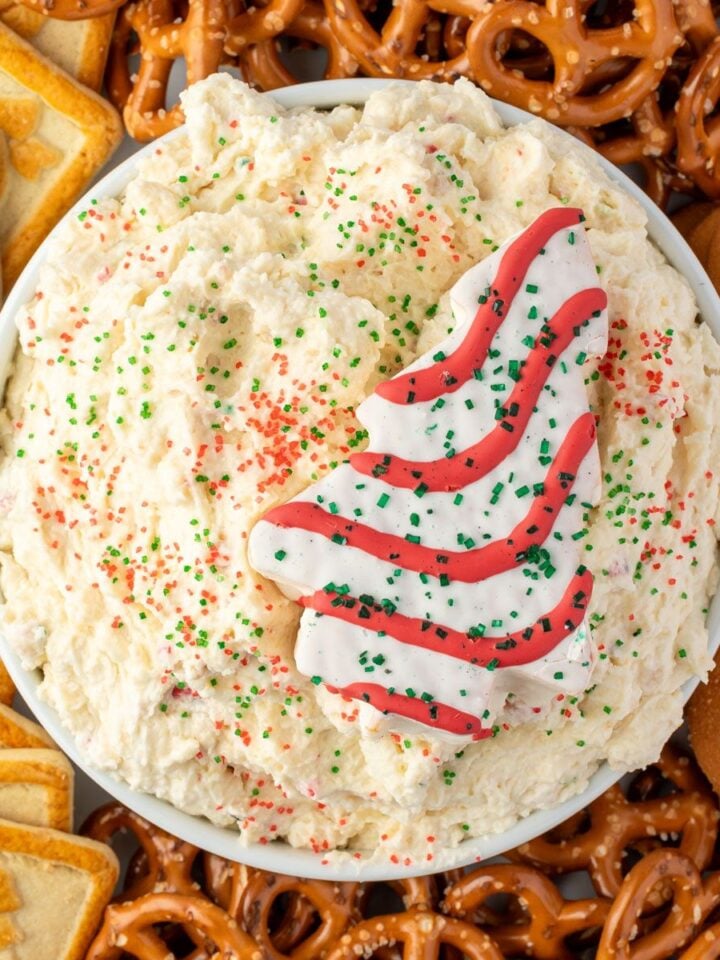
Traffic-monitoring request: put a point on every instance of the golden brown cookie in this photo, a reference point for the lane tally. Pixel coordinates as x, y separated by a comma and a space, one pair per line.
36, 788
53, 890
59, 134
80, 47
7, 687
703, 717
19, 732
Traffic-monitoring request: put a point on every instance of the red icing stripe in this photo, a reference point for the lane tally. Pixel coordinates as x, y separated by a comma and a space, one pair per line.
449, 374
454, 473
437, 715
467, 566
510, 650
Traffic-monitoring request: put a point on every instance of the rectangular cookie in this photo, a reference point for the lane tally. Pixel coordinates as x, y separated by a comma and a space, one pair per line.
19, 732
80, 47
58, 135
53, 890
7, 687
36, 788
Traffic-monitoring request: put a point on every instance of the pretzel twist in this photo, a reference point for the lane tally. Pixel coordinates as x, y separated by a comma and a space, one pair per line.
698, 136
679, 926
391, 52
616, 824
706, 946
267, 71
162, 39
225, 882
647, 40
165, 864
259, 24
335, 904
546, 918
422, 934
128, 928
649, 137
647, 146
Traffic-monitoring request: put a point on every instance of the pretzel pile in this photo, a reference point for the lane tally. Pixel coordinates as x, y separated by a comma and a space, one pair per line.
638, 80
648, 851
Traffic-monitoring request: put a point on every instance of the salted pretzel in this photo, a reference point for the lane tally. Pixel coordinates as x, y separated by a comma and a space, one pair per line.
647, 138
260, 23
336, 905
696, 19
224, 881
648, 39
545, 920
132, 929
648, 145
706, 946
616, 824
162, 38
419, 893
165, 863
454, 33
73, 9
391, 51
431, 40
699, 137
264, 66
679, 926
422, 934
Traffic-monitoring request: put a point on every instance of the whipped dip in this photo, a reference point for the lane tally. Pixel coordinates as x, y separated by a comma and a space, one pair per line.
194, 357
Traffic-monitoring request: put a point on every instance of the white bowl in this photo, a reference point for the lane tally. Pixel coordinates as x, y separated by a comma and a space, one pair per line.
280, 857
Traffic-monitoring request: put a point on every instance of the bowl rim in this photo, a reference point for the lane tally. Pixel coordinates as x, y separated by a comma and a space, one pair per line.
226, 841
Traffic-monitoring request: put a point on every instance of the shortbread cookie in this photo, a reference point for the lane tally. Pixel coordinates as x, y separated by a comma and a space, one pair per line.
7, 687
80, 47
4, 170
19, 732
4, 178
53, 890
36, 788
59, 135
